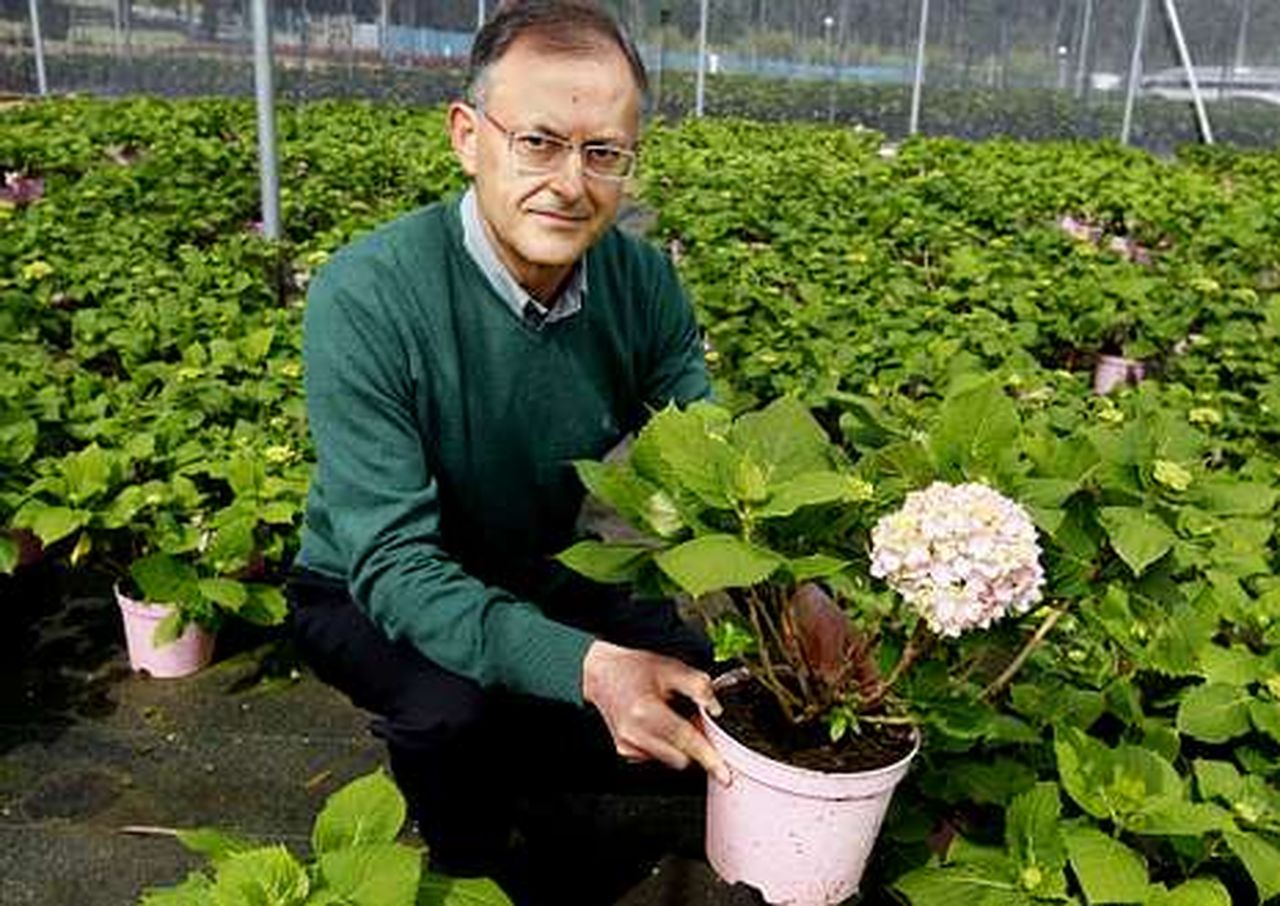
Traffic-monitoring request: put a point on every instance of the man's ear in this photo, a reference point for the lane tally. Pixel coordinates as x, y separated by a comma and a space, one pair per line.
464, 134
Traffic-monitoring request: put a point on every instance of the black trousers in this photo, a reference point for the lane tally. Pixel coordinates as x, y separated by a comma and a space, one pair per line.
463, 755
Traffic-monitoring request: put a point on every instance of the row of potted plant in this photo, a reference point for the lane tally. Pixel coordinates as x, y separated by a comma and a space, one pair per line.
151, 418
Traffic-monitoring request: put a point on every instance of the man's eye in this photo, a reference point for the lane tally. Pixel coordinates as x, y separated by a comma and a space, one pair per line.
603, 154
533, 141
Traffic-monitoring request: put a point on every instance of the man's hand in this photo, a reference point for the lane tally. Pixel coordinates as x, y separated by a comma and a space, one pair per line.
631, 688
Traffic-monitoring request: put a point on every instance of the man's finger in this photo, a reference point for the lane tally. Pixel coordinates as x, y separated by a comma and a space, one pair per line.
696, 686
693, 744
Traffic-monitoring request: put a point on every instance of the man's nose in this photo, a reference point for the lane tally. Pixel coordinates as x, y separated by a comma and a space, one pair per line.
569, 179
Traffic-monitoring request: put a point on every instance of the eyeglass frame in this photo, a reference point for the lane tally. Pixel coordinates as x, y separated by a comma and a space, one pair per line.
630, 154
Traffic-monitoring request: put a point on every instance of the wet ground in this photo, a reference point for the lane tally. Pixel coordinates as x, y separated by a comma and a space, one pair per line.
95, 762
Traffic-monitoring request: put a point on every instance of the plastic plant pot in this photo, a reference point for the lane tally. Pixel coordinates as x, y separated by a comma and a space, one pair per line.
1111, 371
799, 836
184, 656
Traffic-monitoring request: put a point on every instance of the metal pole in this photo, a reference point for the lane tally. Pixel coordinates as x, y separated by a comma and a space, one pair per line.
37, 44
700, 89
1082, 56
1196, 98
828, 23
480, 14
914, 126
1242, 39
1135, 70
384, 28
268, 180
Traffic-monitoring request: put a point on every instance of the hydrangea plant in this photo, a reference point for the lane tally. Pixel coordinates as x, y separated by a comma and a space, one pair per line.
763, 522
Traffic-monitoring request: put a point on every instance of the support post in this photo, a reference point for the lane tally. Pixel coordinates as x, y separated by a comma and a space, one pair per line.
37, 44
1082, 54
1202, 115
1135, 70
268, 180
1242, 41
700, 88
480, 14
914, 125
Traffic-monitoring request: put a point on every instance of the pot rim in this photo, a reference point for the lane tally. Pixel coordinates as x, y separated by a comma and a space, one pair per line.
807, 780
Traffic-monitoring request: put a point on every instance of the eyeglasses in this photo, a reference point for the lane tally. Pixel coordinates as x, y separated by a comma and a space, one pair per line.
537, 152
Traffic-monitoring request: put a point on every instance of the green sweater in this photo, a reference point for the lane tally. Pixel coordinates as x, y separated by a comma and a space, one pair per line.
445, 429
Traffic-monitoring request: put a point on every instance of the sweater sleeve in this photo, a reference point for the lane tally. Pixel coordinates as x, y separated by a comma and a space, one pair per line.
678, 369
382, 502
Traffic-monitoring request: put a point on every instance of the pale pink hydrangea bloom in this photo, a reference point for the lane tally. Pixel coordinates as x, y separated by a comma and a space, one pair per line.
962, 555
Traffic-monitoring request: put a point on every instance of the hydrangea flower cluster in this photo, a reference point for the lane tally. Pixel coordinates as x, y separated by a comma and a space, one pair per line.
962, 555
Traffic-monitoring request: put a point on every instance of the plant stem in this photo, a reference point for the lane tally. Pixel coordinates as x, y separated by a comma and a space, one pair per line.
768, 675
1016, 664
916, 646
903, 721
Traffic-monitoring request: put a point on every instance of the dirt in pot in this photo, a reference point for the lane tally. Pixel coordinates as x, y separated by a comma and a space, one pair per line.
752, 717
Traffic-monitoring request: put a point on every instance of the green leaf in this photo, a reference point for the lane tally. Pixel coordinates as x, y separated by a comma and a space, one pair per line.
1174, 817
996, 781
254, 346
169, 629
1085, 767
163, 579
1196, 892
1214, 712
1261, 859
1265, 715
367, 810
677, 451
784, 439
87, 473
231, 546
974, 884
266, 605
641, 503
1218, 779
812, 489
977, 431
1235, 666
194, 890
377, 874
1033, 834
213, 844
439, 890
1139, 537
226, 593
1108, 871
603, 562
10, 551
714, 562
269, 876
731, 638
51, 523
814, 566
1231, 497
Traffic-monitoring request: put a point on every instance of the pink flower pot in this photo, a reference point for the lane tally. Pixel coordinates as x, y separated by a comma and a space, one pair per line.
801, 837
1110, 371
182, 657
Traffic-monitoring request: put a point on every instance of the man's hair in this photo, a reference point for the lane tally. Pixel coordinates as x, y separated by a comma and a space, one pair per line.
571, 27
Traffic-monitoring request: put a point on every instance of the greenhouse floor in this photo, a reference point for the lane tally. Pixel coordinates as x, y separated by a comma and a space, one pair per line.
96, 762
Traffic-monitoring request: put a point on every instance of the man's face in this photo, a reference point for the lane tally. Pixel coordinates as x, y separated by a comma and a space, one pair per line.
541, 223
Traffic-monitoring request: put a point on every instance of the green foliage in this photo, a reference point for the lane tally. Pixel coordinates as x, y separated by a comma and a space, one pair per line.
356, 862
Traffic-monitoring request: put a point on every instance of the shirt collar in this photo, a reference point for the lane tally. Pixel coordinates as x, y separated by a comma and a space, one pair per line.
566, 304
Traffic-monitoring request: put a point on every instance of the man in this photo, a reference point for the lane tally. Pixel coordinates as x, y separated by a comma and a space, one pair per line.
458, 360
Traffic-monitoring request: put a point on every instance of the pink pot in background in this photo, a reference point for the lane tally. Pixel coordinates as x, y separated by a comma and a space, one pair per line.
185, 655
801, 837
1111, 371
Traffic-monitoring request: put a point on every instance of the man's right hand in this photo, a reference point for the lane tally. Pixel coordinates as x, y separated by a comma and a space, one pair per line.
631, 690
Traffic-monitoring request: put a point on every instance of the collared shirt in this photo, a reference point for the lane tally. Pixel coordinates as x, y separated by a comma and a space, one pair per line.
481, 249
